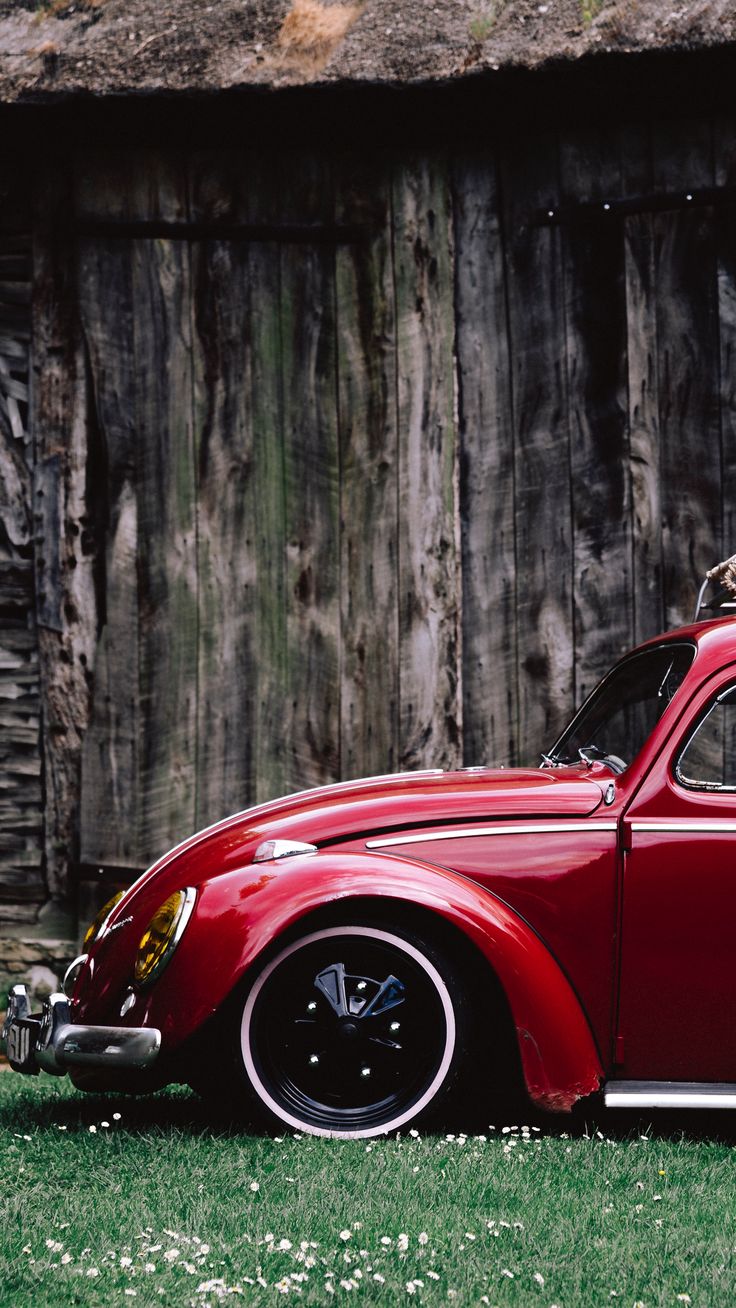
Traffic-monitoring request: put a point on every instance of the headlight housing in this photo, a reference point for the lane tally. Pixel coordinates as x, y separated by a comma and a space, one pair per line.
95, 928
162, 935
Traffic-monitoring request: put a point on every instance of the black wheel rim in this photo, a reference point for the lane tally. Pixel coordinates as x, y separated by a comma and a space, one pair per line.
348, 1032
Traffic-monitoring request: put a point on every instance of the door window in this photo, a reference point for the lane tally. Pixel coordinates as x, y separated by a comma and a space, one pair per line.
708, 761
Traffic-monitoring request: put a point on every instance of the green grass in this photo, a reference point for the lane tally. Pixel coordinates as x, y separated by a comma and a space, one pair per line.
590, 10
157, 1204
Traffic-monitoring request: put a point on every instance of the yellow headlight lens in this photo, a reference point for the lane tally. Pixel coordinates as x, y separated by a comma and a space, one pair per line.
93, 930
161, 934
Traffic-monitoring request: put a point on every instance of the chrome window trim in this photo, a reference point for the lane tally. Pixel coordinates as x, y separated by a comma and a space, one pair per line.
703, 787
665, 643
472, 832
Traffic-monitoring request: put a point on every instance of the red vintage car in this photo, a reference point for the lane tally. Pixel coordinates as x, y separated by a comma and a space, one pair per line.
343, 957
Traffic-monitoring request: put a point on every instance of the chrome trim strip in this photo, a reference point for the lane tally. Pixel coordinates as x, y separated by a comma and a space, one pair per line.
273, 849
528, 830
668, 1094
706, 824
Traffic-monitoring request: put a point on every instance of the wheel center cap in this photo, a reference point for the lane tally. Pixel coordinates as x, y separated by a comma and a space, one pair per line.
348, 1030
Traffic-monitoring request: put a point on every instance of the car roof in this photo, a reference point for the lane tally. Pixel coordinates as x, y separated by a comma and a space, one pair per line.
714, 639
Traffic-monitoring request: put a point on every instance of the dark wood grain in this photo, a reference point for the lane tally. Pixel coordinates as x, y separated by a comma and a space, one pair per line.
64, 553
542, 469
429, 556
167, 544
135, 300
311, 490
687, 338
596, 343
110, 794
366, 364
21, 799
725, 168
486, 434
239, 432
642, 358
225, 509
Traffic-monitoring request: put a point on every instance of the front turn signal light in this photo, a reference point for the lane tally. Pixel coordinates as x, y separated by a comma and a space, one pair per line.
162, 935
95, 928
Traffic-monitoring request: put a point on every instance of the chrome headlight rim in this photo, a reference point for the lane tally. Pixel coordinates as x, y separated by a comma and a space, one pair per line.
98, 928
72, 973
185, 912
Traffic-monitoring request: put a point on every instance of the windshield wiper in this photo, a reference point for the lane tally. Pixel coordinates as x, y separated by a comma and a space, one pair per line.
555, 761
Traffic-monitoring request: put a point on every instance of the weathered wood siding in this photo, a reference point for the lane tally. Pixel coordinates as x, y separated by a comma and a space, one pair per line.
278, 546
387, 457
22, 883
614, 261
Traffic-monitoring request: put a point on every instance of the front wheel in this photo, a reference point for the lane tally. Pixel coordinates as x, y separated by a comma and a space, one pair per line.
354, 1031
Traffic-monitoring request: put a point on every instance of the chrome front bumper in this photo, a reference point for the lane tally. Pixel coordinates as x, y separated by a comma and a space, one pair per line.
49, 1042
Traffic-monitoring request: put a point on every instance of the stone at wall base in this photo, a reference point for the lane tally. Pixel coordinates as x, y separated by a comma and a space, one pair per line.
39, 964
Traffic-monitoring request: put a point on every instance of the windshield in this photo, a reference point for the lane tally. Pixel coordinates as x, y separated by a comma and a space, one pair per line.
623, 710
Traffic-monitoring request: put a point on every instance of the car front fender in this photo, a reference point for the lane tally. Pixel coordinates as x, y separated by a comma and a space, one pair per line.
241, 914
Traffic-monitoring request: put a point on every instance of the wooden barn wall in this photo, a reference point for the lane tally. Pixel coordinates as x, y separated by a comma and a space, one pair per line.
381, 460
22, 881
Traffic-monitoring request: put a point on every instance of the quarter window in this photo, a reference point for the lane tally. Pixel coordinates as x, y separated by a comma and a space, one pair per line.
708, 761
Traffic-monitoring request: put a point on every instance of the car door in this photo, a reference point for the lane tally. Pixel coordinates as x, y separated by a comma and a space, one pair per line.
677, 1009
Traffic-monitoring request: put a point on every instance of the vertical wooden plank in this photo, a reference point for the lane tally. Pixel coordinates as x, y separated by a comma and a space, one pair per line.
311, 485
642, 359
110, 798
486, 435
167, 546
688, 372
22, 881
147, 657
429, 614
226, 528
239, 438
368, 468
65, 594
643, 417
292, 484
724, 140
271, 777
542, 470
725, 164
596, 385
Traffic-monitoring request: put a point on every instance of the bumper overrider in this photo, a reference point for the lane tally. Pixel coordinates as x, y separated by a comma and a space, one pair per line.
49, 1042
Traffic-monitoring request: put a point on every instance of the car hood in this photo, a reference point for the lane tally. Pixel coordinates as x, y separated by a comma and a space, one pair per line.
377, 805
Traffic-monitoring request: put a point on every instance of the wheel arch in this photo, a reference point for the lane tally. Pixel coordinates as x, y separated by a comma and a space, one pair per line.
556, 1049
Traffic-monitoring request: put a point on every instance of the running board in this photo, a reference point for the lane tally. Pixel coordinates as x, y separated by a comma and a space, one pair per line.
669, 1094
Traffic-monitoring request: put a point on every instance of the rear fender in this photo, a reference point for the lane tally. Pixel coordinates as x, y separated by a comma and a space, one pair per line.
241, 914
